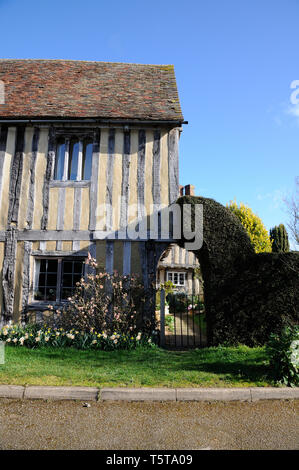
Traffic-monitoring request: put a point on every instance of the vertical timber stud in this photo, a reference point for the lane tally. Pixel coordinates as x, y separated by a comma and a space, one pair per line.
62, 193
173, 164
26, 278
150, 294
93, 195
109, 256
127, 258
156, 188
48, 177
180, 255
143, 258
16, 178
93, 253
60, 215
156, 170
31, 193
10, 246
162, 318
3, 139
109, 178
77, 215
125, 185
141, 174
8, 273
109, 270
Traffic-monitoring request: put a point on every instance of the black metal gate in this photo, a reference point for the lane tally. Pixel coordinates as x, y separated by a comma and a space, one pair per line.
182, 321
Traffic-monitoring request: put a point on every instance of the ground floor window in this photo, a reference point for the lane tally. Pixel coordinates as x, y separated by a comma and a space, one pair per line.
177, 278
56, 278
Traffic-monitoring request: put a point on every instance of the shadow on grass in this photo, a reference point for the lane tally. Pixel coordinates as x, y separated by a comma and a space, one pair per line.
250, 365
233, 364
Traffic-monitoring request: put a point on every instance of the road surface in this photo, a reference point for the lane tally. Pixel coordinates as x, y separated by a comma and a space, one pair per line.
37, 424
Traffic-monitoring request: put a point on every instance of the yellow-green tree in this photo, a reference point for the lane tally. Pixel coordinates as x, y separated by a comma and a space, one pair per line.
253, 225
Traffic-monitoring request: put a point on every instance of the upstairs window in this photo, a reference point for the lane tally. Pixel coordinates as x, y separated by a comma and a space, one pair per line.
73, 159
55, 279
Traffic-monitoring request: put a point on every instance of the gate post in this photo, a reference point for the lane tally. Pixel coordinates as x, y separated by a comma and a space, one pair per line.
162, 318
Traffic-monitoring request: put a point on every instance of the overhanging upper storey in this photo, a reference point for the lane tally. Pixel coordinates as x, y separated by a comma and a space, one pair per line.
97, 91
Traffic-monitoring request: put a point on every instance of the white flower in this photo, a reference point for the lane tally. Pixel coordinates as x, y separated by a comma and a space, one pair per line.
8, 340
37, 339
294, 344
94, 341
294, 357
115, 341
15, 340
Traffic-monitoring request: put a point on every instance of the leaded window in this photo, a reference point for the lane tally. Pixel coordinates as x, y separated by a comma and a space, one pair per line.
177, 278
56, 278
73, 159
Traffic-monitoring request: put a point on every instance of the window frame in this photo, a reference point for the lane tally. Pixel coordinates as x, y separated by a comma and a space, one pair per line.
59, 285
69, 142
179, 273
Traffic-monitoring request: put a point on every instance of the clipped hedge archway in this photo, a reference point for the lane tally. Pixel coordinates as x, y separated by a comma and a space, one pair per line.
225, 243
247, 296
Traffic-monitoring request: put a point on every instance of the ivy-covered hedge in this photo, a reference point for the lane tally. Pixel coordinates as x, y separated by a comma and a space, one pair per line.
247, 295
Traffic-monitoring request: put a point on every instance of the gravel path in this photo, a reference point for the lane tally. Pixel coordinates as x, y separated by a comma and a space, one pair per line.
37, 424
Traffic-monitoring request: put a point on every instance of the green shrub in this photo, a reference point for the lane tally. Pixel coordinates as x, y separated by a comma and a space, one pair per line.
260, 298
169, 322
283, 352
177, 302
280, 240
168, 287
253, 225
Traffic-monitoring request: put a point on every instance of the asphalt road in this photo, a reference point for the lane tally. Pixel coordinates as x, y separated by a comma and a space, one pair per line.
41, 424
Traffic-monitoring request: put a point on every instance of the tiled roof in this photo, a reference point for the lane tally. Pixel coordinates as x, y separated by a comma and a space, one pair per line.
76, 89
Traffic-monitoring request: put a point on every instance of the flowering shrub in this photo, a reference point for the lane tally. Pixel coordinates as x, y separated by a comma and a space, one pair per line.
35, 336
103, 302
102, 314
283, 350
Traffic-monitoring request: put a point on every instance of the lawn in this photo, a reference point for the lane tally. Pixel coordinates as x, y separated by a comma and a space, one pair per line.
150, 367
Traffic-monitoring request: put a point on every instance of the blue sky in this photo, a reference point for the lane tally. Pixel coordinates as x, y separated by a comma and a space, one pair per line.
234, 62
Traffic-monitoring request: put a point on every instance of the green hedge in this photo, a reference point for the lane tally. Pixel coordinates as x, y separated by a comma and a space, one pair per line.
260, 298
247, 296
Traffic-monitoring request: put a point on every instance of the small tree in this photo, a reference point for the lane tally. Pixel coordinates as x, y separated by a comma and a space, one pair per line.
280, 240
253, 225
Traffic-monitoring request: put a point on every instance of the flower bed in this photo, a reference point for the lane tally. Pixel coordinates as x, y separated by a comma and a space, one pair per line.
102, 314
34, 336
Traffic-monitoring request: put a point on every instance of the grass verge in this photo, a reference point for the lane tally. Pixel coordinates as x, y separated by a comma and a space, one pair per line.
143, 367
